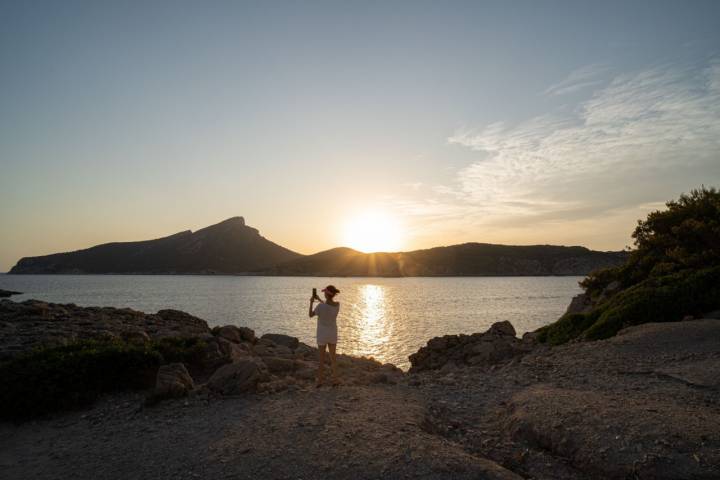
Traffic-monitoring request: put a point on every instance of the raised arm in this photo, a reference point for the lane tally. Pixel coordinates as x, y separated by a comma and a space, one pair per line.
311, 313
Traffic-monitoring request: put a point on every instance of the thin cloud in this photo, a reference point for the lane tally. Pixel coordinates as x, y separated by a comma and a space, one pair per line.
584, 77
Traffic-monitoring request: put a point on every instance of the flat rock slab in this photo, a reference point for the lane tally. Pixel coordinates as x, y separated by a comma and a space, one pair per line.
701, 374
612, 435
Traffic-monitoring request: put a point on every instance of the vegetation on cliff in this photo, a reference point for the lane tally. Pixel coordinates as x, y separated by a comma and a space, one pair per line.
674, 271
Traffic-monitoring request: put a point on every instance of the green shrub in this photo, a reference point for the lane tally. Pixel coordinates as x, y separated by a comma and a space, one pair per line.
186, 350
672, 272
684, 236
59, 378
663, 299
566, 328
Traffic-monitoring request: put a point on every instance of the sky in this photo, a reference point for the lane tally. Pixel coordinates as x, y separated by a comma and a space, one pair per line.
538, 122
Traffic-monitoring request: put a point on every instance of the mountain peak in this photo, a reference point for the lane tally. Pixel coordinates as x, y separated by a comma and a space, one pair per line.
234, 220
226, 247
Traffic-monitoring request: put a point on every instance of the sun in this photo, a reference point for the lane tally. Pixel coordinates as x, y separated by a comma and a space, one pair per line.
373, 232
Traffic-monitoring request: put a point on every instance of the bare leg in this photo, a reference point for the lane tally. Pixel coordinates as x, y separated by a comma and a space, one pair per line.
321, 365
333, 364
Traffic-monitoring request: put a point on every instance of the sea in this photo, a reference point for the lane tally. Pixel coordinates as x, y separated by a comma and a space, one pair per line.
384, 318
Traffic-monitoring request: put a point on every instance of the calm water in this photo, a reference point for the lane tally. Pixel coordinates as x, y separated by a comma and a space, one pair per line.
387, 318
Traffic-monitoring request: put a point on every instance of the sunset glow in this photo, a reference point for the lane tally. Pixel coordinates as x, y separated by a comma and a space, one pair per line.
373, 232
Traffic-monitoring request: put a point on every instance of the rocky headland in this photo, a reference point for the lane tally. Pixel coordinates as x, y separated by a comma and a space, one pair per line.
642, 404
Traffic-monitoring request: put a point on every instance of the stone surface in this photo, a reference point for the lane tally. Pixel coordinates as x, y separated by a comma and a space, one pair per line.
279, 365
502, 328
580, 303
247, 334
230, 332
642, 404
31, 323
449, 352
236, 334
267, 348
239, 377
285, 340
7, 293
172, 381
219, 351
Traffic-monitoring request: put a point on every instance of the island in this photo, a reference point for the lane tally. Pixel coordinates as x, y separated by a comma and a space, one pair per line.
232, 247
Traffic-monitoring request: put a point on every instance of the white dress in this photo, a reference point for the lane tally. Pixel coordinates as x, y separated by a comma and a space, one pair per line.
327, 323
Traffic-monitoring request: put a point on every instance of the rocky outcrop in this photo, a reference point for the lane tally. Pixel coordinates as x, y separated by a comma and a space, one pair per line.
7, 293
219, 351
498, 344
281, 362
172, 381
32, 323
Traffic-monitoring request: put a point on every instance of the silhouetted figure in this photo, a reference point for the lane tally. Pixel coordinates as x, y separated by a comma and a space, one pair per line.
327, 313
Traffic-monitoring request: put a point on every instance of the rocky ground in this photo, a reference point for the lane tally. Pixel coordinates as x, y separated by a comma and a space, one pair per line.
644, 404
25, 325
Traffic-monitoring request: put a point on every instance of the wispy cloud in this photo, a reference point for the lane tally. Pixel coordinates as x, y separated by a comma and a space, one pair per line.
639, 139
584, 77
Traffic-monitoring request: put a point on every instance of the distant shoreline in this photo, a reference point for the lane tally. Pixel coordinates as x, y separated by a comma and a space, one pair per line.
284, 275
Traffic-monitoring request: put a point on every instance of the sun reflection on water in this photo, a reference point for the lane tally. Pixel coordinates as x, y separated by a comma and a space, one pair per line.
371, 323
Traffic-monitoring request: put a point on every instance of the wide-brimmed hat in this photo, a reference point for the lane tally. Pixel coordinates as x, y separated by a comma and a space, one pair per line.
331, 290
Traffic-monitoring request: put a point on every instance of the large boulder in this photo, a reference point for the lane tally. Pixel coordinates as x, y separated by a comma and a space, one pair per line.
172, 381
236, 334
285, 340
7, 293
502, 328
231, 333
219, 351
239, 377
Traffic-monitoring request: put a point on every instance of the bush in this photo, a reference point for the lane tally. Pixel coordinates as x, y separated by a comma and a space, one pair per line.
672, 272
566, 328
684, 236
59, 378
663, 299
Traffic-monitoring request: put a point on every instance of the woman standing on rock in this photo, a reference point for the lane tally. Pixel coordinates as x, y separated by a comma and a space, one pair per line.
327, 313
